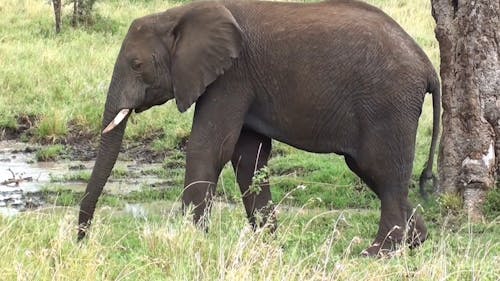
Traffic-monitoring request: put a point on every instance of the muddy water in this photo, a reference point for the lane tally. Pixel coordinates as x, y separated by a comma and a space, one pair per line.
22, 177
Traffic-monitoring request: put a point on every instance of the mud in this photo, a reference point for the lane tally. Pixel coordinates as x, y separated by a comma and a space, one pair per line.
24, 126
86, 150
24, 181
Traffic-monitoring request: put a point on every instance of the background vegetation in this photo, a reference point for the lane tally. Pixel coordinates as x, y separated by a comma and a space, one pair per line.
57, 85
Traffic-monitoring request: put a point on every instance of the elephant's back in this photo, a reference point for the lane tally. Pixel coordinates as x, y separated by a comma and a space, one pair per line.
294, 46
348, 30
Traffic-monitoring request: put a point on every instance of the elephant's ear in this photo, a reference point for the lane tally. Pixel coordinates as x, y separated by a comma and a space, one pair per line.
207, 39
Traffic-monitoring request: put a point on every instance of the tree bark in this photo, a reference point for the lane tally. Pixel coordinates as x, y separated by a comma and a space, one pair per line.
57, 14
74, 19
82, 12
468, 32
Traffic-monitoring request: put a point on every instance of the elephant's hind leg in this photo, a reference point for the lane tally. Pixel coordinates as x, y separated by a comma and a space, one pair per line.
387, 173
251, 154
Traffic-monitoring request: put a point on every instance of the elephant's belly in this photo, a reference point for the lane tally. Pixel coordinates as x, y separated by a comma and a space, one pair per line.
300, 134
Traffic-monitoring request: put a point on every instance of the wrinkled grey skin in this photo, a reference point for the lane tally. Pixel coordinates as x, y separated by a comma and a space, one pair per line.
337, 76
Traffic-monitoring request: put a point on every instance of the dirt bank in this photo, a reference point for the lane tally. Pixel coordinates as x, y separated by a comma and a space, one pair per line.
81, 144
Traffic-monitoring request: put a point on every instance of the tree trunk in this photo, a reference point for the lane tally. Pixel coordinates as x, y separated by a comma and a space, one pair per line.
57, 14
74, 19
468, 32
82, 12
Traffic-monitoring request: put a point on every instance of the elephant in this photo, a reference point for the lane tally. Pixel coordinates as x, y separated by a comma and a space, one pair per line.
328, 77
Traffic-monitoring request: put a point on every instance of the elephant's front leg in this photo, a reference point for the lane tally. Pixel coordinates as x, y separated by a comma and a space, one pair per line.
216, 128
202, 171
250, 155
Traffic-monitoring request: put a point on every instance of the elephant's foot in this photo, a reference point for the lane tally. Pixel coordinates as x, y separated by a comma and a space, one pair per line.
387, 245
265, 219
200, 214
391, 244
417, 232
82, 231
379, 250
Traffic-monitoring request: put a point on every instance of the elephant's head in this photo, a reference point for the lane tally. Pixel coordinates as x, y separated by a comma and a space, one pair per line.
175, 54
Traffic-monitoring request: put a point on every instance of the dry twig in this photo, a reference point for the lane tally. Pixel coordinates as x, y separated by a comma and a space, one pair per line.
15, 179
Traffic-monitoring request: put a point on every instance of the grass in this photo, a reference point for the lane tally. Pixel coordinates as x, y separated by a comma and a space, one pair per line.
82, 176
327, 216
310, 244
49, 153
492, 204
62, 79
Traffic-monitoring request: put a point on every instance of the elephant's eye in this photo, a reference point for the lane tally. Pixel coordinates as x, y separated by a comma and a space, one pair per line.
136, 65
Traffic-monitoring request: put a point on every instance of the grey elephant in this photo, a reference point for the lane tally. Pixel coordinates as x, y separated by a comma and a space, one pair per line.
338, 76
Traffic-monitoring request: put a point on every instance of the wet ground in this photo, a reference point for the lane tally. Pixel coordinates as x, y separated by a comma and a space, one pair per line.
22, 177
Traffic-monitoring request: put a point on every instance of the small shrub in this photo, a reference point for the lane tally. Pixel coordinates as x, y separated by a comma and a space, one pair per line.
52, 127
181, 136
112, 201
175, 160
66, 198
61, 197
492, 204
119, 172
83, 12
259, 178
8, 122
50, 153
451, 203
81, 176
147, 195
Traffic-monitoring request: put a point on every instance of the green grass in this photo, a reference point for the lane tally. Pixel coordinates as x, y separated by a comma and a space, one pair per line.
82, 176
161, 245
49, 153
119, 172
326, 214
492, 204
59, 195
63, 79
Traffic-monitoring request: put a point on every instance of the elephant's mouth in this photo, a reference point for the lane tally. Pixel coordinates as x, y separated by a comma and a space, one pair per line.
154, 97
140, 109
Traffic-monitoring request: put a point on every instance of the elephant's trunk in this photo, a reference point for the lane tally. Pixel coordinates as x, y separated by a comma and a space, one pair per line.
108, 152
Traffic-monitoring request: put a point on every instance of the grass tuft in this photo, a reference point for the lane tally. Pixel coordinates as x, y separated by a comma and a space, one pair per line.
50, 153
52, 127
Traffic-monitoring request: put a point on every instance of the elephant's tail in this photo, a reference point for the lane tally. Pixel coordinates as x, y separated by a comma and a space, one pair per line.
435, 89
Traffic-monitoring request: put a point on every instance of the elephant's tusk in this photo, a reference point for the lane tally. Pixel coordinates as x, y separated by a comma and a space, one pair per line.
118, 119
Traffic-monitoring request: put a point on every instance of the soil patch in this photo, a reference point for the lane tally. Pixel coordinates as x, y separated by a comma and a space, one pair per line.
24, 127
82, 145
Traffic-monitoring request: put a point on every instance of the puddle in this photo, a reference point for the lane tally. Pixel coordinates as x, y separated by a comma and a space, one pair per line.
22, 178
